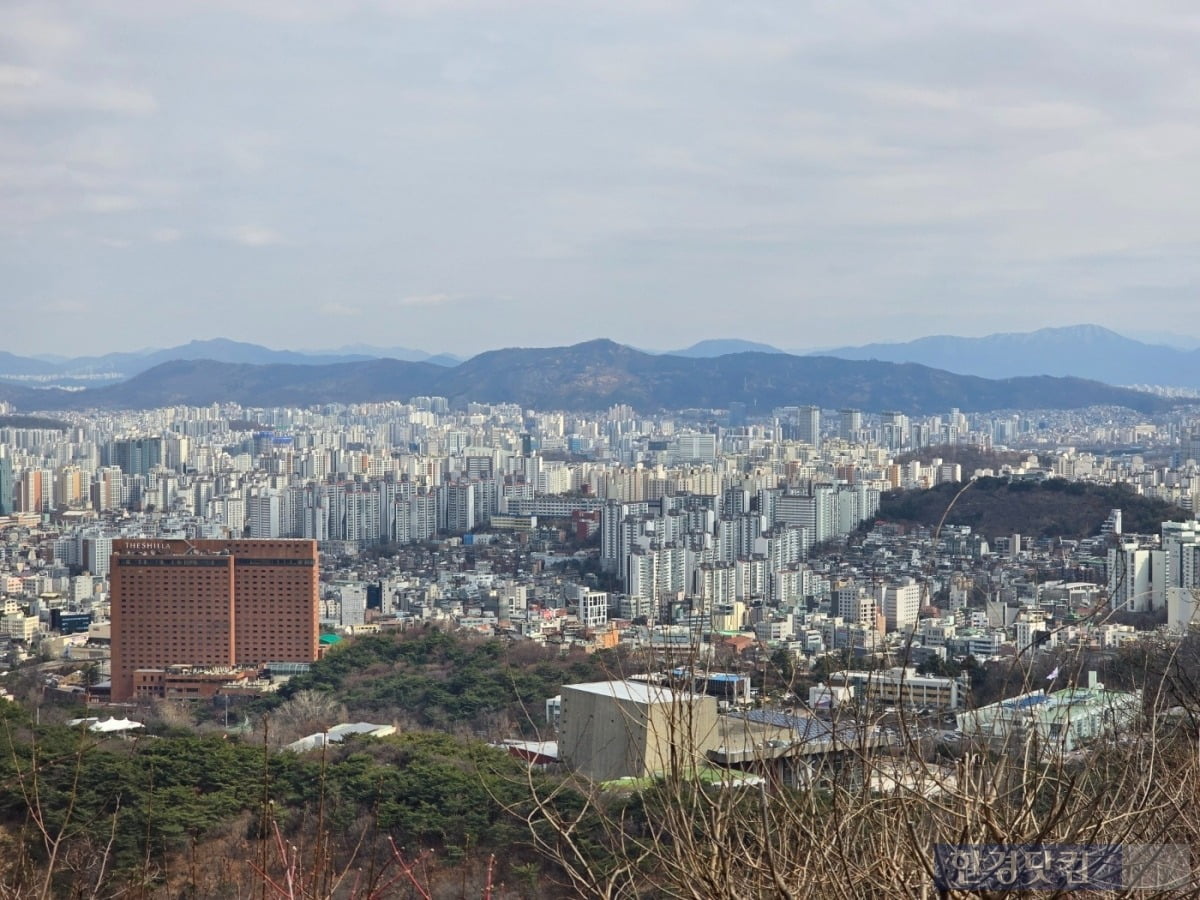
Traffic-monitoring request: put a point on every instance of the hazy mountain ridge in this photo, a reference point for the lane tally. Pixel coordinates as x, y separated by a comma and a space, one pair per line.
12, 364
707, 349
129, 364
1083, 351
591, 376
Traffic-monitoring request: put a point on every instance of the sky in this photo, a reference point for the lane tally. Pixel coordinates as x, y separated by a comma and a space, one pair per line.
458, 176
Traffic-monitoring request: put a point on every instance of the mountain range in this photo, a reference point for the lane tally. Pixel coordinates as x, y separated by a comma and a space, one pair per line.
588, 376
118, 366
1081, 351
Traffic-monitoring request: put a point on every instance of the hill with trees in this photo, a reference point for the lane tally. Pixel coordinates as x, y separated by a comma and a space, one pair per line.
1048, 509
179, 815
431, 678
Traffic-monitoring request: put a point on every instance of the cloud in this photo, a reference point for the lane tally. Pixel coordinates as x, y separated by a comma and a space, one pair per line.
25, 92
66, 306
425, 300
18, 77
110, 203
33, 31
633, 162
254, 236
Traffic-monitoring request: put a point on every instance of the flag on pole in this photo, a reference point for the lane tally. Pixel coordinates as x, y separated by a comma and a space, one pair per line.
1053, 674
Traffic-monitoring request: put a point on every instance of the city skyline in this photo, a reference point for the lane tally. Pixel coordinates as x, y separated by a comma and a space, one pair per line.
465, 176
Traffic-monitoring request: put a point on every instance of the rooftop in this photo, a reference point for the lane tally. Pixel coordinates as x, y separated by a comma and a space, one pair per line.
634, 691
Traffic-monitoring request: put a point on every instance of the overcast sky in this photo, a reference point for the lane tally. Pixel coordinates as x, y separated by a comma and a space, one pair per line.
459, 176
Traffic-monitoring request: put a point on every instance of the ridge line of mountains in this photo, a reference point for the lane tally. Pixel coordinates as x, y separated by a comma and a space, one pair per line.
593, 375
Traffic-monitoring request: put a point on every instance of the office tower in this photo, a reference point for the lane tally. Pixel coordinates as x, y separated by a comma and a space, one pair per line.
893, 430
851, 424
210, 603
808, 425
1191, 447
6, 486
691, 448
136, 456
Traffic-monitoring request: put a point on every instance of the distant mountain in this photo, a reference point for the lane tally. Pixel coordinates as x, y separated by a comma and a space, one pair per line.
23, 397
710, 348
1178, 340
444, 359
203, 382
116, 366
403, 353
11, 364
218, 349
1082, 351
591, 376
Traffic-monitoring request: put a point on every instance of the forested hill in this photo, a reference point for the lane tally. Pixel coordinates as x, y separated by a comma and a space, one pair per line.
1053, 508
429, 678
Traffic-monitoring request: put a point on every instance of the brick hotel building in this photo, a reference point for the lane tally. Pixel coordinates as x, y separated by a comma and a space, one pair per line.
211, 604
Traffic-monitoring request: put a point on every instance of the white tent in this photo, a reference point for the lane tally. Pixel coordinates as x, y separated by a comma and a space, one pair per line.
337, 733
107, 726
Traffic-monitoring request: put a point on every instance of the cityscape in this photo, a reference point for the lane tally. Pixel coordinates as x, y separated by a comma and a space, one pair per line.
209, 556
491, 450
705, 521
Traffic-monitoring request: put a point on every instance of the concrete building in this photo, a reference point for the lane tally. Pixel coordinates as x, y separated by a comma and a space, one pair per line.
1181, 546
1059, 722
592, 608
901, 604
1135, 577
903, 686
136, 456
210, 603
7, 506
619, 729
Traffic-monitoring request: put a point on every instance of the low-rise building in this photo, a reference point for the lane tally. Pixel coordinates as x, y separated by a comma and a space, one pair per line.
1058, 722
618, 729
903, 686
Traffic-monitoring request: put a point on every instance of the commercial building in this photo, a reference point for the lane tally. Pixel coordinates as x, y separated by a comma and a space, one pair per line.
211, 603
